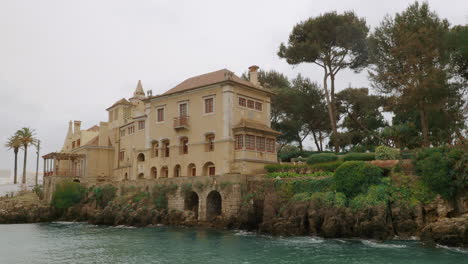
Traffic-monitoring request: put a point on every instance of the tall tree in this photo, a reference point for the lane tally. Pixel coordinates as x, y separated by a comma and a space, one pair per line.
14, 143
362, 116
333, 42
26, 137
409, 54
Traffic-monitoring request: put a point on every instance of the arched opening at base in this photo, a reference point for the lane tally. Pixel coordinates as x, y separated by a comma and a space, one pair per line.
191, 203
213, 205
76, 180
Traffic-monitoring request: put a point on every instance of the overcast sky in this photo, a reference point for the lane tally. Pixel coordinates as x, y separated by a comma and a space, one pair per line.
69, 60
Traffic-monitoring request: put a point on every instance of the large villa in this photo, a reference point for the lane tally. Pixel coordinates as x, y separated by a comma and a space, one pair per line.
211, 124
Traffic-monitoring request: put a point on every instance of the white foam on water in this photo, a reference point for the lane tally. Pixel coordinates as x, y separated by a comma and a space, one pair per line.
65, 223
374, 244
304, 240
123, 227
243, 233
454, 249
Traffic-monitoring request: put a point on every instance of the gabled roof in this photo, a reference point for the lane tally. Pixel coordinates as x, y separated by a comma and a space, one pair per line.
122, 101
94, 128
208, 79
256, 126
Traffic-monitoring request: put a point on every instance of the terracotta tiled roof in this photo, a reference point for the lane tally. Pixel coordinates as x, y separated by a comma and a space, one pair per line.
253, 125
207, 79
119, 102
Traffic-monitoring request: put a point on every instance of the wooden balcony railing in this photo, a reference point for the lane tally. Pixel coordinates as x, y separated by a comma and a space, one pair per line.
64, 173
181, 122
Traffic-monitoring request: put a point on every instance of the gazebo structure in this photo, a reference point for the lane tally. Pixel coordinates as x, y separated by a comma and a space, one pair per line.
66, 165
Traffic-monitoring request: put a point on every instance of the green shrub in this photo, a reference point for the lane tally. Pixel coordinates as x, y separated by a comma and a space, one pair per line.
443, 170
327, 166
329, 198
386, 153
376, 195
287, 156
355, 177
103, 195
39, 191
359, 156
67, 194
286, 168
321, 158
283, 175
160, 192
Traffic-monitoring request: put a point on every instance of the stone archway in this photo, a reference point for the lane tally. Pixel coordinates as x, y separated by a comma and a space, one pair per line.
213, 205
191, 203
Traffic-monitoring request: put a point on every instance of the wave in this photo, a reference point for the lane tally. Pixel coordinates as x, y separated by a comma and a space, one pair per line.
453, 249
374, 244
304, 240
123, 227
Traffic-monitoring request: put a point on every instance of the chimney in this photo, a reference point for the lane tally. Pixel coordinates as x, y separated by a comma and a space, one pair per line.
77, 127
253, 75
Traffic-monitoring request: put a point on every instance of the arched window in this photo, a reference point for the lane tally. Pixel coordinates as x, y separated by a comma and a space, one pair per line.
191, 170
141, 176
213, 205
164, 172
141, 157
126, 177
184, 145
154, 149
209, 139
177, 171
209, 169
165, 146
154, 173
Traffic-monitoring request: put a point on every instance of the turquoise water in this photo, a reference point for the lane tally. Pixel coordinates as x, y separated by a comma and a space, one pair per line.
64, 242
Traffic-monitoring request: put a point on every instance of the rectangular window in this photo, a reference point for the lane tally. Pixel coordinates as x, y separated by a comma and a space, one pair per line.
160, 117
166, 149
242, 102
239, 141
260, 143
141, 125
185, 146
258, 106
250, 104
183, 109
209, 105
131, 130
73, 144
121, 155
122, 133
78, 143
270, 145
249, 141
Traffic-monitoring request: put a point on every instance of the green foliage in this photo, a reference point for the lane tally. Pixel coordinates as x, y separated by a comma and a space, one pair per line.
199, 186
387, 153
376, 195
359, 156
443, 170
139, 196
67, 194
288, 188
39, 191
160, 193
321, 158
355, 177
283, 175
335, 199
103, 195
286, 168
286, 156
327, 166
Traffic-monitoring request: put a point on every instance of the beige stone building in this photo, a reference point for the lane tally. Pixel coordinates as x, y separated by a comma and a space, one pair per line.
211, 124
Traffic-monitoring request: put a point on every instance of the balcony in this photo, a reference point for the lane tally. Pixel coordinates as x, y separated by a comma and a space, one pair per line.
181, 122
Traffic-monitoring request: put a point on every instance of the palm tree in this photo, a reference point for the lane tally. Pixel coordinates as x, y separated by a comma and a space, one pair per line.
14, 143
26, 136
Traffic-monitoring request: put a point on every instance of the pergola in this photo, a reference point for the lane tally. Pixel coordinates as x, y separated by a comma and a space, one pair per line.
64, 164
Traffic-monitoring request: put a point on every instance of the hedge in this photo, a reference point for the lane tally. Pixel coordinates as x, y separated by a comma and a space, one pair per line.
321, 158
359, 156
283, 175
327, 166
387, 153
287, 168
355, 177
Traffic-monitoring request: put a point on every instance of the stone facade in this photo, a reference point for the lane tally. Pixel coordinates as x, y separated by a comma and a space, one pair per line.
209, 126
